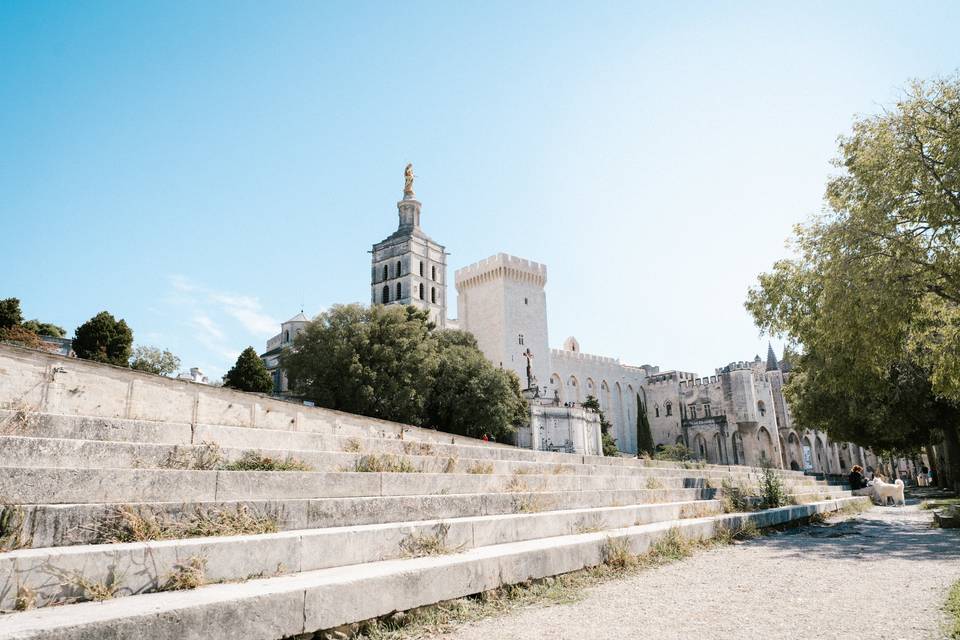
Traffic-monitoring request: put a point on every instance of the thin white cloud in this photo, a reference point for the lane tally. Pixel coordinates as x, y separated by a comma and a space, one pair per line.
205, 323
246, 311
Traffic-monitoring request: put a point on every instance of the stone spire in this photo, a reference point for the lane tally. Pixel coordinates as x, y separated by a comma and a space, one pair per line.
772, 364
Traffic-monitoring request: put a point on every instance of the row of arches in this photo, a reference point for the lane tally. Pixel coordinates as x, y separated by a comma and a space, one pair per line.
385, 293
398, 271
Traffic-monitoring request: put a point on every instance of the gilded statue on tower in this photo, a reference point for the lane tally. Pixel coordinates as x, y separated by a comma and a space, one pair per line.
408, 180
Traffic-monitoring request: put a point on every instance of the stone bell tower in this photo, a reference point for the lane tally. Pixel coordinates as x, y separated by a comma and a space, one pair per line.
408, 267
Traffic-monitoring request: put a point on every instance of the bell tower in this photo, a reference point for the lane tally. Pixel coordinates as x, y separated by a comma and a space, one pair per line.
408, 267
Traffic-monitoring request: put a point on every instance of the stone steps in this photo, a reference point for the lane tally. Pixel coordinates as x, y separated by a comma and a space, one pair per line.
146, 565
22, 451
289, 605
232, 437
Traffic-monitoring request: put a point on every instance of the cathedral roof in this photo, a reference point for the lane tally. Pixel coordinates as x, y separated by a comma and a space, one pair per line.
298, 318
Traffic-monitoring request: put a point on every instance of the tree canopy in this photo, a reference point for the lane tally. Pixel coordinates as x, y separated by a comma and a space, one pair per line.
45, 328
249, 373
153, 360
607, 441
10, 313
871, 299
390, 362
103, 338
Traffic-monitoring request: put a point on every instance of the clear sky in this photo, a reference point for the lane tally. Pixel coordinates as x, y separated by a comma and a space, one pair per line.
202, 169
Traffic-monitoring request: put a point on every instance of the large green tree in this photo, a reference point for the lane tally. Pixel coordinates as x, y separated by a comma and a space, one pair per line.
154, 360
376, 361
10, 313
871, 297
470, 396
103, 338
45, 328
249, 373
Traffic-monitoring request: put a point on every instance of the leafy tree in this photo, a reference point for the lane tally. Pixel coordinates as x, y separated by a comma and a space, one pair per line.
10, 314
872, 298
469, 395
20, 335
249, 373
153, 360
644, 434
376, 361
608, 442
45, 328
103, 338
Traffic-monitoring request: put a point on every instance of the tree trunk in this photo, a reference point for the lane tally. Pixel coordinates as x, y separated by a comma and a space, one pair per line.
950, 469
932, 462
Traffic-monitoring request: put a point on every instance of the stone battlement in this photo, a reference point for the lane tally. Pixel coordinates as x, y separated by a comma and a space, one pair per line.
668, 377
501, 265
583, 357
699, 382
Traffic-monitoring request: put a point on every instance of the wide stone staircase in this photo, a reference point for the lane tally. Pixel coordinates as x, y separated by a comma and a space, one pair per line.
115, 526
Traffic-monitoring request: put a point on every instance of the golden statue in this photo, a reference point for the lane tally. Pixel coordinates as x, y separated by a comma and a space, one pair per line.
408, 180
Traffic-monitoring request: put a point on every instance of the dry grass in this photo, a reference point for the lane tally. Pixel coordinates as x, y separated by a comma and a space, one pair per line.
205, 457
23, 419
589, 524
87, 589
735, 497
254, 461
616, 553
13, 519
560, 468
418, 448
353, 446
485, 468
386, 463
529, 503
516, 485
186, 575
128, 525
939, 503
450, 466
654, 483
26, 599
417, 545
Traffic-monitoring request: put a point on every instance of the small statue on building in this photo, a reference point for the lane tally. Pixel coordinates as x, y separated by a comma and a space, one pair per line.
408, 180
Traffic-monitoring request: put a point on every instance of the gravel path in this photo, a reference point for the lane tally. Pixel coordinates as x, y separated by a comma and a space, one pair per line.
813, 582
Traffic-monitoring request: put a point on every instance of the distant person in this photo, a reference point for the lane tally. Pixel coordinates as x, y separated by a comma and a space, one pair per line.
856, 479
486, 438
923, 477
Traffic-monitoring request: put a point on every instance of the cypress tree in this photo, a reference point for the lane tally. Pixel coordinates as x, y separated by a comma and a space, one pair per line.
644, 435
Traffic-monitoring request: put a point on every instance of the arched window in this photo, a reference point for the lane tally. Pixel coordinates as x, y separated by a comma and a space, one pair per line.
399, 268
421, 270
386, 272
693, 412
656, 411
286, 336
761, 408
399, 291
433, 295
433, 273
386, 294
421, 288
669, 408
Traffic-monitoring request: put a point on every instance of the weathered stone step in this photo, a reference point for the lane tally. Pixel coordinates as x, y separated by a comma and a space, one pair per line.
51, 525
305, 602
145, 566
126, 430
23, 451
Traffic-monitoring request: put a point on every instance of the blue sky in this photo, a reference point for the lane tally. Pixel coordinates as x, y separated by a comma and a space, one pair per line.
203, 169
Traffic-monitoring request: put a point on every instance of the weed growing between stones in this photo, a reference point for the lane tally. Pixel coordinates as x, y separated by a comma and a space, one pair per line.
516, 485
772, 493
589, 525
128, 525
418, 448
450, 466
481, 468
939, 503
352, 446
386, 463
417, 545
616, 553
87, 590
253, 461
205, 457
735, 497
654, 483
12, 521
23, 419
528, 503
26, 599
952, 607
187, 575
